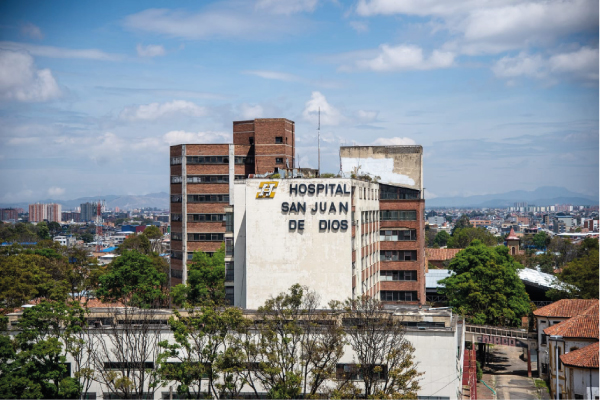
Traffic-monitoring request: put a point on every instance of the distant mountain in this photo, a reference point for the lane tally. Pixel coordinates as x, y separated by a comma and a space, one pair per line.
542, 196
125, 202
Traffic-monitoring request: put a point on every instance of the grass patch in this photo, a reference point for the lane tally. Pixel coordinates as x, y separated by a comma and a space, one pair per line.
540, 383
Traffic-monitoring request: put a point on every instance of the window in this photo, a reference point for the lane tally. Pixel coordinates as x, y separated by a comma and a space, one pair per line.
176, 198
278, 139
398, 255
207, 179
177, 255
228, 271
279, 160
229, 295
88, 396
544, 369
229, 222
244, 160
578, 396
229, 246
176, 160
206, 217
116, 396
544, 338
392, 295
251, 141
398, 275
398, 235
208, 198
205, 237
355, 372
175, 217
176, 236
208, 160
388, 215
559, 362
176, 179
176, 273
116, 365
387, 192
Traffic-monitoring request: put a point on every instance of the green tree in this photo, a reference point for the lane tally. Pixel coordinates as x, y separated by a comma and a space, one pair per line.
541, 240
545, 262
43, 232
485, 286
461, 223
134, 280
54, 228
87, 237
21, 280
461, 238
152, 232
441, 239
139, 243
430, 238
205, 282
579, 279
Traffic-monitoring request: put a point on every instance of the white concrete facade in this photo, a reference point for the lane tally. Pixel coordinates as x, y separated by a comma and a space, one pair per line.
289, 231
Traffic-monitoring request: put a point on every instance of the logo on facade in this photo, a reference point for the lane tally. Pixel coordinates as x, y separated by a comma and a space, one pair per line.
266, 190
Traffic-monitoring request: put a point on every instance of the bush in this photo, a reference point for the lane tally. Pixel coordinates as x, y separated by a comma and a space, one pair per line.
479, 372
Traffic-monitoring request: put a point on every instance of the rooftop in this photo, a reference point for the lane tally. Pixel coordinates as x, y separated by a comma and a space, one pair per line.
586, 357
580, 326
565, 308
441, 254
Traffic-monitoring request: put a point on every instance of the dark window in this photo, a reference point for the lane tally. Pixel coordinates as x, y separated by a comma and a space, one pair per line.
205, 237
559, 362
228, 271
578, 396
278, 139
175, 217
229, 246
397, 295
279, 160
115, 396
175, 160
116, 365
207, 179
229, 222
176, 198
387, 192
398, 275
176, 179
544, 338
208, 198
206, 217
544, 369
388, 215
244, 160
251, 140
208, 159
398, 235
176, 273
398, 255
177, 255
88, 396
176, 236
229, 295
355, 372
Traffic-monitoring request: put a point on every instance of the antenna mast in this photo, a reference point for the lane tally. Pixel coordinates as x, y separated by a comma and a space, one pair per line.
319, 144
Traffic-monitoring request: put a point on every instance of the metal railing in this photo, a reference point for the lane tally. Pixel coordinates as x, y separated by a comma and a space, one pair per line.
502, 332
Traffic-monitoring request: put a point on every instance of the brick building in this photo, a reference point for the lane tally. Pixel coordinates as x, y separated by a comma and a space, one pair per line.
8, 214
202, 177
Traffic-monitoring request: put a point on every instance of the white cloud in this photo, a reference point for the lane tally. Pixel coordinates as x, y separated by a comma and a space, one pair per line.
251, 111
580, 65
150, 51
179, 137
287, 6
329, 114
32, 31
402, 58
20, 80
359, 26
60, 52
366, 116
394, 141
56, 191
153, 111
230, 19
278, 76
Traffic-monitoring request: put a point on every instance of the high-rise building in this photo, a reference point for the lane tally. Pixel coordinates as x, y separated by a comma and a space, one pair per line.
37, 212
345, 237
53, 212
89, 211
8, 214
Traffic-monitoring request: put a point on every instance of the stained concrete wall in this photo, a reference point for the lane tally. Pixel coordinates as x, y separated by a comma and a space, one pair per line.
399, 165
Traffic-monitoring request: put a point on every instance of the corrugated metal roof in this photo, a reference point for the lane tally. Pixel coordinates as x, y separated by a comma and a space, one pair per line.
434, 276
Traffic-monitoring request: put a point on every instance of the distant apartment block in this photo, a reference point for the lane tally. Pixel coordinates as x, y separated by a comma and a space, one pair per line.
68, 216
480, 222
45, 212
89, 211
8, 214
437, 220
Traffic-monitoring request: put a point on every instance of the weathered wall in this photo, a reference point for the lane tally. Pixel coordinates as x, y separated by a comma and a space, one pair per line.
400, 165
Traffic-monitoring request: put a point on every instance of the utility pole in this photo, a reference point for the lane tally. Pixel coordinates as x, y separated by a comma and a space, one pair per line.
319, 144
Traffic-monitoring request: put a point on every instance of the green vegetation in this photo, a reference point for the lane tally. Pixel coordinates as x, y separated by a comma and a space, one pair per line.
485, 286
442, 238
540, 383
462, 237
579, 279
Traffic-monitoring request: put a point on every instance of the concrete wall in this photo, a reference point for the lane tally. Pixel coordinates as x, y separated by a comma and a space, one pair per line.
400, 165
582, 381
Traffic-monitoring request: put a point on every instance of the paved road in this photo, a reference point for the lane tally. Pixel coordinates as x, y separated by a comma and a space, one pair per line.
507, 374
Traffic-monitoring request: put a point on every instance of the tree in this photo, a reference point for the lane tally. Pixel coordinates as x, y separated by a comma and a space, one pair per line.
139, 243
441, 239
461, 223
54, 228
430, 238
579, 279
541, 240
87, 237
564, 250
461, 238
206, 280
485, 286
384, 360
42, 231
134, 280
21, 280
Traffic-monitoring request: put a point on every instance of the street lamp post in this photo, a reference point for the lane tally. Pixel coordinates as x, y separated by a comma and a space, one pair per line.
556, 339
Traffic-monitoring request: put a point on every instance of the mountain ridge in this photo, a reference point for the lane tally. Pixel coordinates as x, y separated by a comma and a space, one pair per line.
159, 200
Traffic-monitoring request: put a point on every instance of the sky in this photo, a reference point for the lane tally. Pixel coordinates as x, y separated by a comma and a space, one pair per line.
502, 95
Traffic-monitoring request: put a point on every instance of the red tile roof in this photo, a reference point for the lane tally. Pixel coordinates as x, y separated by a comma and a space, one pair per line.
441, 254
581, 326
565, 308
512, 235
586, 357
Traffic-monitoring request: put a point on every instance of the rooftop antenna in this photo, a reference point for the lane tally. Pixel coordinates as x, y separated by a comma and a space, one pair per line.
319, 144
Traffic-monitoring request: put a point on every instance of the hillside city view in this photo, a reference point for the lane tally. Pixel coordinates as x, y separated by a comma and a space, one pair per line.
285, 199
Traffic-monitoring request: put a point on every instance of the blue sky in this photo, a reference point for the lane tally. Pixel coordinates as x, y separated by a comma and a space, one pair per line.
502, 95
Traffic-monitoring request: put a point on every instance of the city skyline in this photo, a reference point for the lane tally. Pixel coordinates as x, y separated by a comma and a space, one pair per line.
501, 97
